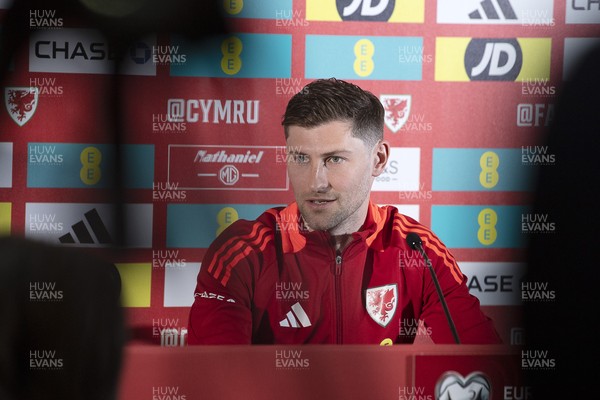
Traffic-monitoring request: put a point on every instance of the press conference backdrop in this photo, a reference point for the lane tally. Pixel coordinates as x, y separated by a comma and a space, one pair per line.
468, 86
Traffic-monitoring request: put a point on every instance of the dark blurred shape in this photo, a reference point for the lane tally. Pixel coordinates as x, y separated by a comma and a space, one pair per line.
61, 323
565, 260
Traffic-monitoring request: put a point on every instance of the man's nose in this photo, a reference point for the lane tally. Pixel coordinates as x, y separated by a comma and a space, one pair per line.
318, 178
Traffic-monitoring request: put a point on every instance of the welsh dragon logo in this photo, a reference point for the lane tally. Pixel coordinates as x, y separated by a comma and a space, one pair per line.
397, 110
21, 103
381, 303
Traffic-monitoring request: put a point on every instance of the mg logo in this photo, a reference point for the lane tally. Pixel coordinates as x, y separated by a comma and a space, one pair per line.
229, 175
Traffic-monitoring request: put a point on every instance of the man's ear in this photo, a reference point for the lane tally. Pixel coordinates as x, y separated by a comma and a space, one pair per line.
381, 154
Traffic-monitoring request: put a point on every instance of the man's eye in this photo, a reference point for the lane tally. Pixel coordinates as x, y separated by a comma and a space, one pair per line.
300, 158
334, 160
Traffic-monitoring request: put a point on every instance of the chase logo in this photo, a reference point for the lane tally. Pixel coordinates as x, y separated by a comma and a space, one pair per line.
197, 225
260, 9
359, 57
86, 51
407, 11
467, 59
140, 53
583, 12
495, 283
240, 55
523, 12
89, 225
475, 227
480, 170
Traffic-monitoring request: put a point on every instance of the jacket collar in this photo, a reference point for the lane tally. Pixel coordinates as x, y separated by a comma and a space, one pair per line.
295, 235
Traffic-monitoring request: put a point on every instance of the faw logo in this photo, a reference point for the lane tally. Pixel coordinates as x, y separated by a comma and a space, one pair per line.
381, 303
397, 110
21, 103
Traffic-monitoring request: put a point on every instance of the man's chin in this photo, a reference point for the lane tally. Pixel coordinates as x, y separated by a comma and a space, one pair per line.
317, 224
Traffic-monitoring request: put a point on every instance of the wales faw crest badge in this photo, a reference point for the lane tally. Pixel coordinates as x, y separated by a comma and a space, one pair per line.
21, 103
397, 110
381, 303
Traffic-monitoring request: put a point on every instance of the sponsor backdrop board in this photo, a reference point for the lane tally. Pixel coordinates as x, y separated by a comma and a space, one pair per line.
468, 87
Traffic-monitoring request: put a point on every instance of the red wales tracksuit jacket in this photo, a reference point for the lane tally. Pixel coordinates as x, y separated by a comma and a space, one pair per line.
270, 281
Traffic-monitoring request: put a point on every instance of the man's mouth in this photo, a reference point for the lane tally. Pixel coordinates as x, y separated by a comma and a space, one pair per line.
320, 201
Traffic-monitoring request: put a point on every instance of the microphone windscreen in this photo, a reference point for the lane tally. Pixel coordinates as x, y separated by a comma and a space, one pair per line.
413, 240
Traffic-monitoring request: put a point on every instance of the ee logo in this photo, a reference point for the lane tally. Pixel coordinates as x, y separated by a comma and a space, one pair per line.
90, 172
226, 217
489, 162
364, 50
231, 48
487, 220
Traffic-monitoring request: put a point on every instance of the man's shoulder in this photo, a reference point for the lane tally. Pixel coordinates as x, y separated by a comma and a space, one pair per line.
399, 225
389, 216
244, 241
251, 235
402, 225
245, 229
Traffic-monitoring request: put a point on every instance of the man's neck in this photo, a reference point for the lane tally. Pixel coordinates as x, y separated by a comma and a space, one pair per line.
340, 242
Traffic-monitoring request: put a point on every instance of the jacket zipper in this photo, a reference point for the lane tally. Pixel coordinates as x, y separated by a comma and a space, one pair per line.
338, 297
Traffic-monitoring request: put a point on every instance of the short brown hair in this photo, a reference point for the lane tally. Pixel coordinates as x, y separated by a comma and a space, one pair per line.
328, 100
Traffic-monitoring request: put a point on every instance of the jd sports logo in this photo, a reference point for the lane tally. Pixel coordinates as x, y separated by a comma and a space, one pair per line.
83, 234
493, 59
296, 318
504, 11
464, 59
365, 10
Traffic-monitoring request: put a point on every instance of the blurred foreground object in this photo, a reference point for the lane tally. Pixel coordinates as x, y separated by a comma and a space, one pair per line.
563, 328
62, 323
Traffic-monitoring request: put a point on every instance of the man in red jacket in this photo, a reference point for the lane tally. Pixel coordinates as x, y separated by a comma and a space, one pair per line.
332, 267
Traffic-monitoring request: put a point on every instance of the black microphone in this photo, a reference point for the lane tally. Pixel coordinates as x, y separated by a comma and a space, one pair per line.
415, 243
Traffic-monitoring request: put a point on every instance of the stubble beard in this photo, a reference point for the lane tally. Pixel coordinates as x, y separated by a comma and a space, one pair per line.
324, 221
